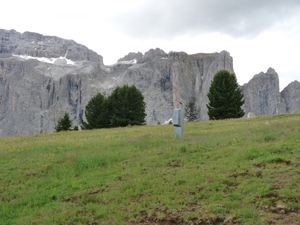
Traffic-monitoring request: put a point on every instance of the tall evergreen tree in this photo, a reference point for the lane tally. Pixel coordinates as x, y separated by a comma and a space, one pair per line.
127, 106
64, 123
97, 113
191, 111
225, 97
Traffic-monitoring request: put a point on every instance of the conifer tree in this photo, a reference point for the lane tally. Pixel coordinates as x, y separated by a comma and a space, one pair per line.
225, 97
127, 106
190, 110
97, 113
64, 123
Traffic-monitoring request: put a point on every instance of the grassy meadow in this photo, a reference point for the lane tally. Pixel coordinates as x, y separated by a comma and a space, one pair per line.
241, 171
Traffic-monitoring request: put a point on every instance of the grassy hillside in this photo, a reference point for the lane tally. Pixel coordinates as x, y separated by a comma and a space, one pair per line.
243, 171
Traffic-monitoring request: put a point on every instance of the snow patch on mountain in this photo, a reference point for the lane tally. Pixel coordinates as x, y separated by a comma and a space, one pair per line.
60, 61
128, 62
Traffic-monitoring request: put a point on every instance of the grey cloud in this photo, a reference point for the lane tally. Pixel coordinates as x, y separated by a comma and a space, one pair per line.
236, 18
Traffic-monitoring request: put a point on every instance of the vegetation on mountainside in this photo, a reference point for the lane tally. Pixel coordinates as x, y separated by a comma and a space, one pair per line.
128, 106
225, 97
241, 171
190, 110
125, 106
97, 113
64, 123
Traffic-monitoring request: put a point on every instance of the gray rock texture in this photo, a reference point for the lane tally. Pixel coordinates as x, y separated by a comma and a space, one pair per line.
131, 56
155, 53
34, 93
166, 79
37, 45
262, 96
291, 95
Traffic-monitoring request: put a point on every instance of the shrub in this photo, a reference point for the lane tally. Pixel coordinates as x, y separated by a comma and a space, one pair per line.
64, 123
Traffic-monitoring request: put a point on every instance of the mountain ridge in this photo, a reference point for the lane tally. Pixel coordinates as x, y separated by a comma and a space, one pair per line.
34, 94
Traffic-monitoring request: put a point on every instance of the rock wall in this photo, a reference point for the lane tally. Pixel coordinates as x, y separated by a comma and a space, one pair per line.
34, 93
291, 96
37, 45
262, 96
166, 79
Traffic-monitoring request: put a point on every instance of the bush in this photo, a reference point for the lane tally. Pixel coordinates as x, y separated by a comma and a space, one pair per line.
64, 123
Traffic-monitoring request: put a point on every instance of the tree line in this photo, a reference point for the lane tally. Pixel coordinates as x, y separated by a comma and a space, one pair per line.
125, 106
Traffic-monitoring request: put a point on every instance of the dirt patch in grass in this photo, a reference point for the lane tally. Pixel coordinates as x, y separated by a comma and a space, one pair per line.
281, 179
188, 216
93, 223
247, 173
282, 215
175, 163
278, 213
73, 199
260, 165
76, 198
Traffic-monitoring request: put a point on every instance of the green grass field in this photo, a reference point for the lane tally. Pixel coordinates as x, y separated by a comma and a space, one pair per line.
242, 171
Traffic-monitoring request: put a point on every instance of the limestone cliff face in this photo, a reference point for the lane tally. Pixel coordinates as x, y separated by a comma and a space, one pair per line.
131, 57
41, 77
37, 45
33, 95
291, 95
262, 96
166, 79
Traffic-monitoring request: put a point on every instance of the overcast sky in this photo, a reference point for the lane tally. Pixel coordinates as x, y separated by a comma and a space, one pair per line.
258, 33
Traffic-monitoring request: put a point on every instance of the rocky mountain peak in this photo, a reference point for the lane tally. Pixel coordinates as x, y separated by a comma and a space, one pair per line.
180, 56
37, 45
262, 96
34, 94
271, 71
291, 95
155, 52
131, 56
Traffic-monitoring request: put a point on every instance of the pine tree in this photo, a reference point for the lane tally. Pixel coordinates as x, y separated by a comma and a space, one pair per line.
190, 110
225, 97
127, 106
64, 123
97, 113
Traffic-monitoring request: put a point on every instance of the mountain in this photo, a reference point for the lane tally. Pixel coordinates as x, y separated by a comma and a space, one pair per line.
41, 77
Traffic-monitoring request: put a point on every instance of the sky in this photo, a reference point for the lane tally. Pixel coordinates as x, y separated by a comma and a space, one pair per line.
258, 34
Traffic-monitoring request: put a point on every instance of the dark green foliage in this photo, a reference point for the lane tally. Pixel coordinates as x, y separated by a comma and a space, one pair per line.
191, 111
64, 123
97, 113
225, 97
127, 106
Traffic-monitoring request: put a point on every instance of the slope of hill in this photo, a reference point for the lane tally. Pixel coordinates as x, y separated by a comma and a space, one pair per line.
243, 171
